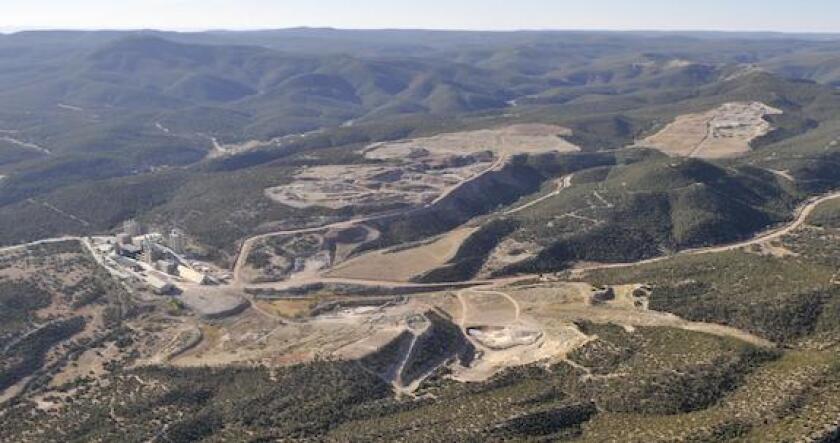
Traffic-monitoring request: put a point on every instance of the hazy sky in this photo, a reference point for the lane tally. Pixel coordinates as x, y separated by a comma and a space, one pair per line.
775, 15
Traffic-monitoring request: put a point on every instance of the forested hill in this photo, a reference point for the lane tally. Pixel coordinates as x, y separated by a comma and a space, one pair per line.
86, 115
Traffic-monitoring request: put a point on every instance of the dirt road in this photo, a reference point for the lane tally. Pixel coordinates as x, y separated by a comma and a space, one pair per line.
27, 145
802, 214
248, 244
562, 183
39, 242
517, 310
497, 165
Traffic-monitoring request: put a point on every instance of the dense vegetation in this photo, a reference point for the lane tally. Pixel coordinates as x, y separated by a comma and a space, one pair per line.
128, 118
676, 381
98, 127
18, 301
25, 356
795, 299
667, 205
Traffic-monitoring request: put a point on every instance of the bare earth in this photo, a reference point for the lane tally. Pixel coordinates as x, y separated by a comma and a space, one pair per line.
404, 264
725, 131
514, 139
417, 171
508, 324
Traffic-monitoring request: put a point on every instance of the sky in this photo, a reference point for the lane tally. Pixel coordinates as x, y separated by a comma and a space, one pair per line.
728, 15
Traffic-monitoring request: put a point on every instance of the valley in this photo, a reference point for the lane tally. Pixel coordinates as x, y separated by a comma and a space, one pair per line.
502, 237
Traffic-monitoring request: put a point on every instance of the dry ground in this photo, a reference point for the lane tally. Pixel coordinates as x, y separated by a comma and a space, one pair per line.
402, 265
327, 248
339, 186
56, 274
508, 325
417, 171
725, 131
514, 139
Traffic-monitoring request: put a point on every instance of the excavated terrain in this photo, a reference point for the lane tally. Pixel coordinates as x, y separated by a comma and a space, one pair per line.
725, 131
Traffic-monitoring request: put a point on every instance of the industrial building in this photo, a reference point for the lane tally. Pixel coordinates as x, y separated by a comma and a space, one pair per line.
132, 228
124, 238
191, 275
129, 250
153, 256
167, 266
153, 237
176, 241
159, 286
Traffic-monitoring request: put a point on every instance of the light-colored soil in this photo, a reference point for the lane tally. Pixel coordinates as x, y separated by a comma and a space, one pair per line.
287, 308
552, 346
495, 324
509, 325
12, 391
504, 337
617, 312
417, 171
404, 264
221, 149
725, 131
24, 144
69, 107
783, 174
90, 363
338, 186
488, 308
162, 128
514, 139
255, 337
370, 344
771, 248
212, 301
507, 252
288, 261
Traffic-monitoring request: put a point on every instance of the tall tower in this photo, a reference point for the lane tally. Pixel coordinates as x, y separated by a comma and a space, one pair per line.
177, 242
132, 228
149, 251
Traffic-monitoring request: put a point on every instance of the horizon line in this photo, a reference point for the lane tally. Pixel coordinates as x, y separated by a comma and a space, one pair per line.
11, 30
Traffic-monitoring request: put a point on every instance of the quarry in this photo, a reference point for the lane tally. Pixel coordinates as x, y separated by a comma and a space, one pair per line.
318, 234
417, 171
334, 293
725, 131
302, 294
480, 331
296, 295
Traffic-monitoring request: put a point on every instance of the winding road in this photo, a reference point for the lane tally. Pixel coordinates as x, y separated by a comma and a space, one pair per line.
248, 244
485, 285
562, 183
802, 214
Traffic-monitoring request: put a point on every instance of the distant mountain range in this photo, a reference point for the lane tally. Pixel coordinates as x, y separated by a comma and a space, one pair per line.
78, 107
